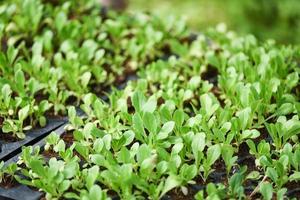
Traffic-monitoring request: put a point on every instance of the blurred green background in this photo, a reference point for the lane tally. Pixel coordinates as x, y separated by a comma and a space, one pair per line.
276, 19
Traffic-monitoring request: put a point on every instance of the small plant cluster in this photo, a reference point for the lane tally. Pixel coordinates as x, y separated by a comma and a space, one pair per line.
215, 116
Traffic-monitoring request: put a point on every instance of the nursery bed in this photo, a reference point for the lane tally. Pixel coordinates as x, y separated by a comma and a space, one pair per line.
148, 109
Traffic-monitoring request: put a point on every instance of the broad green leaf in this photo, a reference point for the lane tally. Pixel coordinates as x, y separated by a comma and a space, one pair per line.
98, 159
96, 193
198, 142
295, 176
138, 99
85, 78
98, 145
250, 134
92, 176
271, 173
138, 127
178, 117
285, 109
20, 81
150, 105
207, 105
64, 185
213, 153
266, 190
177, 148
107, 141
165, 130
24, 113
171, 182
150, 123
244, 117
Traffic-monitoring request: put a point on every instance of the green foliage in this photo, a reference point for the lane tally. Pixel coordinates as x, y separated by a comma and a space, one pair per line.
217, 106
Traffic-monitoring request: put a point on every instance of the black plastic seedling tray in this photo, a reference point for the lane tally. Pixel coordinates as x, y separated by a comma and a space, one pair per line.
19, 192
9, 149
22, 191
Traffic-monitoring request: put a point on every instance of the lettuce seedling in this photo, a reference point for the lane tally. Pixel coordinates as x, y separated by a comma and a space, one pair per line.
16, 126
266, 190
7, 171
212, 155
283, 130
229, 159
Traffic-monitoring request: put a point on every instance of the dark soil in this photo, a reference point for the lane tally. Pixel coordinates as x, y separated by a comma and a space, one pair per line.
189, 39
219, 175
178, 195
68, 137
49, 154
1, 121
245, 159
211, 75
293, 190
264, 135
3, 44
8, 137
8, 182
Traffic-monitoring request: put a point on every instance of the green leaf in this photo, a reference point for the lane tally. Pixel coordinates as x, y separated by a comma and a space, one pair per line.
198, 142
148, 165
281, 193
96, 193
165, 130
150, 105
98, 159
107, 141
292, 80
71, 169
250, 134
188, 172
266, 190
150, 122
64, 185
285, 109
38, 168
138, 127
82, 150
20, 81
178, 117
60, 147
138, 99
85, 78
24, 113
12, 54
98, 145
244, 117
143, 153
6, 94
124, 155
171, 182
71, 195
271, 173
129, 137
177, 148
213, 153
92, 176
207, 105
295, 176
254, 175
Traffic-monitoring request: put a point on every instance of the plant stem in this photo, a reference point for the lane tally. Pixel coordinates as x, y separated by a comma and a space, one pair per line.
257, 187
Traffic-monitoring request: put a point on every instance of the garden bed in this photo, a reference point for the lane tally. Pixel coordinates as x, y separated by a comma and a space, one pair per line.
111, 105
